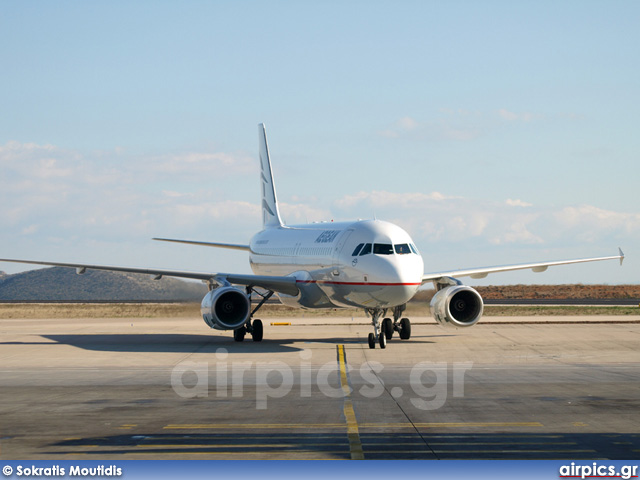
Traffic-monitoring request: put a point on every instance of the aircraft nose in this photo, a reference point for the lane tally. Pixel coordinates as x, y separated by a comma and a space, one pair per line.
400, 278
400, 269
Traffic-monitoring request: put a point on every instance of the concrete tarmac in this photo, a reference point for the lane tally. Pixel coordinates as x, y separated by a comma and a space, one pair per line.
515, 388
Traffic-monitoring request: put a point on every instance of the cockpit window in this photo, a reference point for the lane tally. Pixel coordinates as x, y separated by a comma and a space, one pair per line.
402, 249
414, 249
382, 249
357, 250
366, 249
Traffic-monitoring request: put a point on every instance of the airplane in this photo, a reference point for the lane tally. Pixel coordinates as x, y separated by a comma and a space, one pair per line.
368, 264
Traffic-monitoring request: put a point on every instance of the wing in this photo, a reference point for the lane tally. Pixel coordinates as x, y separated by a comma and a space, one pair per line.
233, 246
286, 285
536, 267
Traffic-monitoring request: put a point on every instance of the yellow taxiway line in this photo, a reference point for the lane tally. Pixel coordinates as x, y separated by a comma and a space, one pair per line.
355, 445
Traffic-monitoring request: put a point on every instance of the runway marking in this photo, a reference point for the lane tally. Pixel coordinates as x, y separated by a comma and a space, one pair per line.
253, 426
372, 445
227, 445
355, 445
239, 445
311, 426
475, 444
452, 425
516, 451
308, 456
127, 426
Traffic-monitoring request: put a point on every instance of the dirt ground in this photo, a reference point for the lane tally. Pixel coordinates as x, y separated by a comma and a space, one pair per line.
556, 292
415, 307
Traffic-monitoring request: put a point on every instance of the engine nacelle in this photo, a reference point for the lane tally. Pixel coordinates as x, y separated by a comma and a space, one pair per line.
457, 306
225, 308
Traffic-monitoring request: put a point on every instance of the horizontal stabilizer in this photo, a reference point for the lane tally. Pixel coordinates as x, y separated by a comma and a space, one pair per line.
232, 246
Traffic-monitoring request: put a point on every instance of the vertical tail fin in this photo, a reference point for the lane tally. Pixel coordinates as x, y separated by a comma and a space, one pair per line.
270, 212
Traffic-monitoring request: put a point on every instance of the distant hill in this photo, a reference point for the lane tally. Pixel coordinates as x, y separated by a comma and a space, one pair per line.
63, 284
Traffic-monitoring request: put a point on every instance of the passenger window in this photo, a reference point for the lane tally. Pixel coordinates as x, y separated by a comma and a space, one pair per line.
366, 250
357, 250
382, 249
402, 249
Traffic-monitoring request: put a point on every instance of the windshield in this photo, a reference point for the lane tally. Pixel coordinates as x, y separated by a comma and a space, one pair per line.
382, 249
402, 249
366, 249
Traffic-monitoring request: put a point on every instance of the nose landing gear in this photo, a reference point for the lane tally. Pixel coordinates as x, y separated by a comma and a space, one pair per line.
384, 331
376, 336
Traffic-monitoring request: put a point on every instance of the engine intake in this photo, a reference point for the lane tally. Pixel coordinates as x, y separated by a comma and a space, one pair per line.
457, 306
225, 308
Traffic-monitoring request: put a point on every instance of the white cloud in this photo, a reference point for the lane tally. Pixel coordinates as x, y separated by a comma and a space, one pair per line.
517, 232
461, 127
384, 198
401, 127
13, 150
517, 203
407, 123
195, 212
589, 223
434, 217
456, 124
300, 213
200, 164
46, 190
29, 230
105, 198
513, 117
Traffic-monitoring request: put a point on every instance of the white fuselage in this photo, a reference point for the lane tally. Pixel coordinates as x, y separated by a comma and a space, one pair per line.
366, 264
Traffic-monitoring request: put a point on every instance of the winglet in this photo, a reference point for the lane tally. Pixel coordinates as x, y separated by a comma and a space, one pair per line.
621, 255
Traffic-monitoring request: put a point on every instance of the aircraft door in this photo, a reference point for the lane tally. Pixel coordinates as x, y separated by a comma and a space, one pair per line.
342, 240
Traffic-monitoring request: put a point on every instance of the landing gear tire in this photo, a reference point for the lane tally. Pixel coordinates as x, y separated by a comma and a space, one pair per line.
382, 339
387, 328
238, 333
405, 329
257, 330
372, 341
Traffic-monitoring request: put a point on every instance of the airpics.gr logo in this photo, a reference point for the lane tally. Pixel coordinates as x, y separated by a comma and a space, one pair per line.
429, 383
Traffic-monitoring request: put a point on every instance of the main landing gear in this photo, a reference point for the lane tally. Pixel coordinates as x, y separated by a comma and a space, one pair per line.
254, 327
384, 331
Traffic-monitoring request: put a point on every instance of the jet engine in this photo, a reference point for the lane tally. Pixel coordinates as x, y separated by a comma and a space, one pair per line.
225, 308
457, 306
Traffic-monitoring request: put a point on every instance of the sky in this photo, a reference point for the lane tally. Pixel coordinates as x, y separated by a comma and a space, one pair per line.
494, 132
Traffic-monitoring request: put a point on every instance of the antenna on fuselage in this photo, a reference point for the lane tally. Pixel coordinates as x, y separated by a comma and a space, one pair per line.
270, 212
